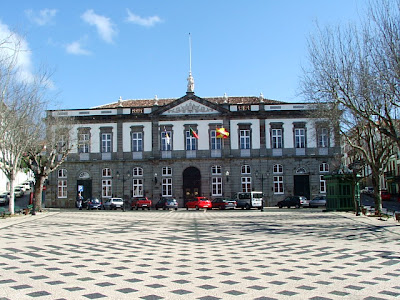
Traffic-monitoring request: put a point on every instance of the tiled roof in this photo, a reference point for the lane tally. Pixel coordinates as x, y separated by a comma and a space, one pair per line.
162, 102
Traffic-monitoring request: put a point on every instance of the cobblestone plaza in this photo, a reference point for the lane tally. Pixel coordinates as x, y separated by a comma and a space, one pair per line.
275, 254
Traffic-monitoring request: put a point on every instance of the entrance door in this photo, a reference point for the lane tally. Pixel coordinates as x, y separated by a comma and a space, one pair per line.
302, 185
87, 188
191, 183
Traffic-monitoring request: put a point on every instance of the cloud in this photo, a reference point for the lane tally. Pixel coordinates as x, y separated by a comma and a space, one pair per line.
14, 47
45, 16
105, 28
76, 49
147, 22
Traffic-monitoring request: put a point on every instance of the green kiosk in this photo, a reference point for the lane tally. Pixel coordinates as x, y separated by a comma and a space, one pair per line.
340, 191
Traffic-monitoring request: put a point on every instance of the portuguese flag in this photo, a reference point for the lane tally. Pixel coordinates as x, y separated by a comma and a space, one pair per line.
193, 133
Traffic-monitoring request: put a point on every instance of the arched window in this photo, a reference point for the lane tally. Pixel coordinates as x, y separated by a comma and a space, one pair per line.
137, 171
278, 169
106, 172
245, 169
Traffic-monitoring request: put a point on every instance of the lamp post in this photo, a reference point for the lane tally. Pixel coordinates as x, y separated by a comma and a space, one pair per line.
262, 189
128, 175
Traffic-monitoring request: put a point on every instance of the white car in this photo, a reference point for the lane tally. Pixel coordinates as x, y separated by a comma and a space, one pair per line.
18, 192
114, 203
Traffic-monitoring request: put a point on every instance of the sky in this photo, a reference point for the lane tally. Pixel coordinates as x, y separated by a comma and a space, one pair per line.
98, 51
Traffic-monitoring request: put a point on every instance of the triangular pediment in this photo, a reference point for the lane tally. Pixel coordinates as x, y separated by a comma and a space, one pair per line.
190, 107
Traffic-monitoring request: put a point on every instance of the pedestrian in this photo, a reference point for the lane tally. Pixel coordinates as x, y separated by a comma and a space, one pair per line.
79, 201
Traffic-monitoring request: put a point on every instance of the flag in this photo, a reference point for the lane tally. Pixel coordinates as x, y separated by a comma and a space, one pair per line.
193, 133
222, 133
167, 138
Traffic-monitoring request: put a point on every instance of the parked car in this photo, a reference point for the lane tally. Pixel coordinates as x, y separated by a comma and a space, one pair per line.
385, 195
318, 201
18, 192
114, 203
142, 202
199, 202
296, 201
93, 203
4, 198
22, 187
167, 203
223, 203
26, 185
369, 190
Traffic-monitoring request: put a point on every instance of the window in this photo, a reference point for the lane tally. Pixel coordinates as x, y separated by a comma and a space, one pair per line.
137, 171
300, 137
216, 170
324, 168
216, 143
165, 140
62, 173
245, 169
276, 138
190, 141
106, 142
137, 141
278, 169
216, 186
167, 187
244, 139
323, 138
278, 184
322, 184
137, 185
83, 143
106, 172
62, 189
166, 171
246, 184
106, 188
62, 143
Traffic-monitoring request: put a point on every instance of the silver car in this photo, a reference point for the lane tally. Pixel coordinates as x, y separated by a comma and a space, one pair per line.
114, 203
318, 201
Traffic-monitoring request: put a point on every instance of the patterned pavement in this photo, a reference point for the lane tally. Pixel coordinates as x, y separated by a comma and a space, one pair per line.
275, 254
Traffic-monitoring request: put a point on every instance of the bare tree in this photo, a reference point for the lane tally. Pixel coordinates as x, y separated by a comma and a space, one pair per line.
354, 73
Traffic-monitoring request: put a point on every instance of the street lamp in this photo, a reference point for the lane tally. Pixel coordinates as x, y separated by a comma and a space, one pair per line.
128, 175
227, 176
262, 189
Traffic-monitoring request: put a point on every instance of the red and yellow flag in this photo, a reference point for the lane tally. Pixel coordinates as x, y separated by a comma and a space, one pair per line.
222, 133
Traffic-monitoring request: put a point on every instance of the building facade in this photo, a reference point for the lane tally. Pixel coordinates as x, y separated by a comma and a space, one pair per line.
175, 147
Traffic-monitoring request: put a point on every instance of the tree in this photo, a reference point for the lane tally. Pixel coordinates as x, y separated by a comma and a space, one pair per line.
354, 73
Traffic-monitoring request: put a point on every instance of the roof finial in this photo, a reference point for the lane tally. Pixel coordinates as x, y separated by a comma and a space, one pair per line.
261, 98
120, 101
190, 85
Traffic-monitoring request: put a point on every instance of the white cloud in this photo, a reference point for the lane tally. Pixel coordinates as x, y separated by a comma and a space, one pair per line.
105, 27
15, 47
76, 48
147, 22
43, 17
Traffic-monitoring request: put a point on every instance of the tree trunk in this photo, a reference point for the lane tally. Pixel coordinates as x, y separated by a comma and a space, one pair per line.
37, 204
11, 203
377, 194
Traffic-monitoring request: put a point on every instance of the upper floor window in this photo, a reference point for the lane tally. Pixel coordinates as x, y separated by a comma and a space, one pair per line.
323, 138
324, 167
300, 137
216, 170
216, 143
83, 142
244, 139
62, 143
106, 172
191, 140
137, 171
165, 140
106, 142
245, 169
276, 138
137, 141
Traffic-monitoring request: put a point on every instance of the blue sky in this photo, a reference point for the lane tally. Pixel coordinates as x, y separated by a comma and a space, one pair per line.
101, 50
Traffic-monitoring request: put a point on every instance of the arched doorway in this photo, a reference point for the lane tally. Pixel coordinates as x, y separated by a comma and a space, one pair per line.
191, 183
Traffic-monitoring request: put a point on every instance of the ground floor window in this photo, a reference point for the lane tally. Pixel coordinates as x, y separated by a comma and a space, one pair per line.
216, 186
106, 188
322, 184
137, 186
278, 184
246, 184
167, 187
62, 189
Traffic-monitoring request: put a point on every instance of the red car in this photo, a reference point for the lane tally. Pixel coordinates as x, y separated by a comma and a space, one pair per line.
142, 202
385, 195
199, 202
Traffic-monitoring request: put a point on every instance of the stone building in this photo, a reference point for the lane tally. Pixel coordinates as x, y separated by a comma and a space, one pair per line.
172, 147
